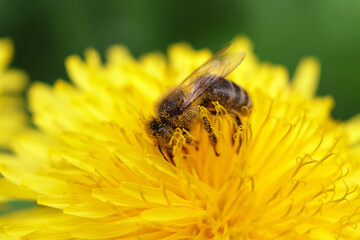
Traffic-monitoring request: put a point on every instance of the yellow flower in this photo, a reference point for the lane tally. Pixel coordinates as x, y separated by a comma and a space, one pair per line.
12, 82
100, 176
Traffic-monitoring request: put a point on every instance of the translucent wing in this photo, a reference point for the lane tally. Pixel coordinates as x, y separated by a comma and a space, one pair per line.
215, 69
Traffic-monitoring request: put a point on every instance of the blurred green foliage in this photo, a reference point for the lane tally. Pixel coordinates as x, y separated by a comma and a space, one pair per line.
46, 32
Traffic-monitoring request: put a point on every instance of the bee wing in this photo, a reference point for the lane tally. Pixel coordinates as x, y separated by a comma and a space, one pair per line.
215, 69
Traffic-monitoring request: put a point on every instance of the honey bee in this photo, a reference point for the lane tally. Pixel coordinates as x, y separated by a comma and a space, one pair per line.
207, 84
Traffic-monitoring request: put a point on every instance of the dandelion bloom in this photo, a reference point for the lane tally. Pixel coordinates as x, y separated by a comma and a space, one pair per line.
99, 175
12, 82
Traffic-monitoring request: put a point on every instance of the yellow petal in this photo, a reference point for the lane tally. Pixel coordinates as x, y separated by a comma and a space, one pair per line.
306, 77
20, 229
27, 221
40, 184
153, 194
98, 230
14, 191
91, 209
6, 52
62, 201
48, 234
77, 71
118, 198
13, 81
118, 55
181, 215
135, 162
88, 161
352, 128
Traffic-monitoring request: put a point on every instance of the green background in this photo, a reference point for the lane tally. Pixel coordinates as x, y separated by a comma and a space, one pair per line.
46, 32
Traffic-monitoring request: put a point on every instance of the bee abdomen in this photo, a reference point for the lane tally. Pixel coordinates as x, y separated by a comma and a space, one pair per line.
242, 97
228, 94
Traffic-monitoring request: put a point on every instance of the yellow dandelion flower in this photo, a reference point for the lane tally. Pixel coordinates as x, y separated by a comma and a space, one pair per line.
12, 82
98, 174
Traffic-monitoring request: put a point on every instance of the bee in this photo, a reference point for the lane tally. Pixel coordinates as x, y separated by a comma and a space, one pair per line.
207, 84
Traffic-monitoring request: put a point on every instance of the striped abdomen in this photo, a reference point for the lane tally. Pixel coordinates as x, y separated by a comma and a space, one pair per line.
228, 94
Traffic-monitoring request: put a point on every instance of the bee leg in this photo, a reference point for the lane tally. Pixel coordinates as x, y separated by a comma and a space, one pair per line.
169, 153
211, 134
190, 140
238, 123
237, 119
